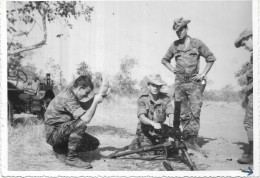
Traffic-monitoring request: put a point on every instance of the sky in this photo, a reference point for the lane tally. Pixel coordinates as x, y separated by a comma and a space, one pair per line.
143, 30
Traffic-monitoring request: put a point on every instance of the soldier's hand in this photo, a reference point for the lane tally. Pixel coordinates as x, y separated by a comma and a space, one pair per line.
156, 126
98, 98
104, 89
197, 77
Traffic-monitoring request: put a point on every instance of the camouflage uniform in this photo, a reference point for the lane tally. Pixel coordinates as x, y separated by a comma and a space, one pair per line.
187, 91
246, 39
154, 110
63, 126
248, 121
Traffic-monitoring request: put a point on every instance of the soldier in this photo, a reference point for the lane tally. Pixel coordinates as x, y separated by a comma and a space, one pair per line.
153, 108
246, 40
187, 52
66, 121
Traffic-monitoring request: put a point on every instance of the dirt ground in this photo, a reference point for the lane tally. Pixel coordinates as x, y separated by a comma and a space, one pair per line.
222, 137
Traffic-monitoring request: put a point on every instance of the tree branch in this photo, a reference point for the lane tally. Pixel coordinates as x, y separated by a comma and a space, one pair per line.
21, 34
38, 45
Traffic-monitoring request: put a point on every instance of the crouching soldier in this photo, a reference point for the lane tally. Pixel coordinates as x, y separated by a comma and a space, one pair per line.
66, 121
153, 108
246, 40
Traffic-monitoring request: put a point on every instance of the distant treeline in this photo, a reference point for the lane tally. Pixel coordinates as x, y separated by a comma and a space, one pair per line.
219, 95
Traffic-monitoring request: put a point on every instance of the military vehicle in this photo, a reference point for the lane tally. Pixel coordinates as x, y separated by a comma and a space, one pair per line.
26, 95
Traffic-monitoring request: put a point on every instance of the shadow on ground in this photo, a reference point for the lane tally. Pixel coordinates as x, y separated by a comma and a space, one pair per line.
110, 130
203, 141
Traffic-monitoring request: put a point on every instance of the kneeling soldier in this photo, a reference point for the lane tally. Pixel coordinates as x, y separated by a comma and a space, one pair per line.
153, 108
65, 122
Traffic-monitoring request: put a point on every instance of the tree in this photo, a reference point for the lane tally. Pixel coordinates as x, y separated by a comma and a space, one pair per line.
124, 84
143, 83
31, 71
84, 69
228, 94
23, 16
56, 74
96, 79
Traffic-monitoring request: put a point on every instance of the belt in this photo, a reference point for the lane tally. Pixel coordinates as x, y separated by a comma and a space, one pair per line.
184, 77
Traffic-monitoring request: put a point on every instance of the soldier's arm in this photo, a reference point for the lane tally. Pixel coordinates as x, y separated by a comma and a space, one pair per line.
208, 55
207, 68
88, 115
142, 113
166, 60
147, 121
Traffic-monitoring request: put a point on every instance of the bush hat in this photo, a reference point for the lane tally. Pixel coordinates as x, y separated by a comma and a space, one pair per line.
156, 80
180, 22
244, 34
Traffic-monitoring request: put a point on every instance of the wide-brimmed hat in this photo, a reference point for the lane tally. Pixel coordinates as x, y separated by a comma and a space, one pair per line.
244, 34
180, 22
155, 79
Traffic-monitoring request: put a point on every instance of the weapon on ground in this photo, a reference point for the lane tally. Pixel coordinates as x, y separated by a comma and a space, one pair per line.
168, 147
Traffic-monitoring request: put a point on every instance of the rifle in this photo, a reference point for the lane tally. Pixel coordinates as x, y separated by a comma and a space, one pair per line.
169, 146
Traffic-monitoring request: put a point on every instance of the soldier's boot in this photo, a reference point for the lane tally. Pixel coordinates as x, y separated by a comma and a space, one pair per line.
247, 158
60, 152
74, 160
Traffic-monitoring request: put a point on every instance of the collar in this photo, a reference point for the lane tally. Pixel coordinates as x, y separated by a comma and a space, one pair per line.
181, 47
157, 102
70, 90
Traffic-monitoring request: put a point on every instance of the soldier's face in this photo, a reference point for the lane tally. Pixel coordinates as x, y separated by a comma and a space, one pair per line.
154, 89
82, 92
182, 32
247, 43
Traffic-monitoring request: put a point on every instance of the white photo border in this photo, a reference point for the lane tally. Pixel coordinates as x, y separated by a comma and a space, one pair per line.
4, 125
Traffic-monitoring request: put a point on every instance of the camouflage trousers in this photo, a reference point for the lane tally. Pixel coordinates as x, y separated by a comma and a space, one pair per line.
71, 135
190, 96
248, 121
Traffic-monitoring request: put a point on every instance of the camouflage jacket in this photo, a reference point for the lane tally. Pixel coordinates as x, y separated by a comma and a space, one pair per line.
64, 107
249, 74
154, 110
187, 60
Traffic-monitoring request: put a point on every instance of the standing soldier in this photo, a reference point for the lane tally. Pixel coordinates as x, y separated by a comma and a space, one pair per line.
187, 52
66, 121
246, 40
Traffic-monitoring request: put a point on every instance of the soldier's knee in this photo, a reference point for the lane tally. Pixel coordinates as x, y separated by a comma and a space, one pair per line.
93, 145
96, 144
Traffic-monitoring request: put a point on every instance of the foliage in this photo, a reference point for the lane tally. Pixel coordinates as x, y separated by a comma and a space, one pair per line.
96, 79
227, 94
31, 71
26, 14
143, 83
84, 69
56, 74
123, 82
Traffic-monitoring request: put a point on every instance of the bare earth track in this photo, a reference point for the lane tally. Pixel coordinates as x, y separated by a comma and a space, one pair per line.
222, 136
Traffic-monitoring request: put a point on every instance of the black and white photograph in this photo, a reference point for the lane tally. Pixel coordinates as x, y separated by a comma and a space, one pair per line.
98, 88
